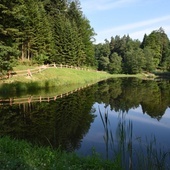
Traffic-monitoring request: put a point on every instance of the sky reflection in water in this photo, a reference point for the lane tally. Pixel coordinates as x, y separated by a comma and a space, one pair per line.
144, 127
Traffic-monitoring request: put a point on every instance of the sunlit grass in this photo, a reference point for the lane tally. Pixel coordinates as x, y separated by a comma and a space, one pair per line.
61, 76
53, 77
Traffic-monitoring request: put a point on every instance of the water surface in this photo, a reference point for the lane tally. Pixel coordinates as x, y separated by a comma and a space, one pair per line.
124, 115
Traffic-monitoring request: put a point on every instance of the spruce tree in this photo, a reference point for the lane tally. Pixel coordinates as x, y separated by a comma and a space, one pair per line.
85, 33
8, 35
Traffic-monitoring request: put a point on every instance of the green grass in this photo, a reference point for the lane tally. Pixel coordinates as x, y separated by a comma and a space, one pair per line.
54, 77
61, 76
15, 154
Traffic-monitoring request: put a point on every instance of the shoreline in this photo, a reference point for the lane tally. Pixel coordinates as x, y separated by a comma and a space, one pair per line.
58, 78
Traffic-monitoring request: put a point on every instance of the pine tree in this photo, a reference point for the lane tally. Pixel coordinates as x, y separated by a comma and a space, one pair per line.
36, 32
85, 33
45, 31
8, 35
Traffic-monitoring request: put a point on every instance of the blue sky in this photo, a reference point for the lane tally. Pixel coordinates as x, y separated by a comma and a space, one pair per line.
122, 17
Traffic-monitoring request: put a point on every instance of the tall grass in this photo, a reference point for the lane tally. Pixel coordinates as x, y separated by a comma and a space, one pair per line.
146, 154
151, 155
21, 155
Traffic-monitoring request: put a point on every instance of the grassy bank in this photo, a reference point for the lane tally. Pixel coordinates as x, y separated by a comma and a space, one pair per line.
51, 77
58, 76
54, 77
21, 155
64, 76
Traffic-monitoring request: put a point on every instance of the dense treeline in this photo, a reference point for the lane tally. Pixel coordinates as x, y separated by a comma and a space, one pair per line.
124, 55
47, 31
44, 31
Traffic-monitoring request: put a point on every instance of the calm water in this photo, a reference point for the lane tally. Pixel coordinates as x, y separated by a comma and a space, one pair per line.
125, 116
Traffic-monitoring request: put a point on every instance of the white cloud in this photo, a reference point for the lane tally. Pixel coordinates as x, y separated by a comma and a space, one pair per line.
137, 24
107, 17
140, 33
136, 30
105, 4
145, 120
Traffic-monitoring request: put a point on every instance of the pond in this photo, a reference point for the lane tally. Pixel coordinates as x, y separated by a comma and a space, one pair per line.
128, 117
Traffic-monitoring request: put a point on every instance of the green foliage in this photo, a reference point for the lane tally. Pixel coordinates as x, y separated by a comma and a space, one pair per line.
48, 31
115, 65
159, 43
8, 36
149, 60
102, 52
134, 61
45, 31
22, 155
150, 54
103, 63
40, 59
165, 65
52, 77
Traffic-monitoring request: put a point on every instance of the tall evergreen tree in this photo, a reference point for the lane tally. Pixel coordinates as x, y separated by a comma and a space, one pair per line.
35, 28
85, 32
9, 34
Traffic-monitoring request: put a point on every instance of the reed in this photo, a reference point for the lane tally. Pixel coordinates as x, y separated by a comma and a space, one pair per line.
147, 155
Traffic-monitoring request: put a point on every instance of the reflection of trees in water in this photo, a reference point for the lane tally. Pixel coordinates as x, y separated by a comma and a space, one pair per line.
126, 93
62, 123
65, 121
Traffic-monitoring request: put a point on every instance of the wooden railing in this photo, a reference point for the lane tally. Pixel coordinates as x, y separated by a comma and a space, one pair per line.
30, 72
30, 99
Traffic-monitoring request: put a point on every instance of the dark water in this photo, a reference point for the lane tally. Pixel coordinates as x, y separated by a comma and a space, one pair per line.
127, 117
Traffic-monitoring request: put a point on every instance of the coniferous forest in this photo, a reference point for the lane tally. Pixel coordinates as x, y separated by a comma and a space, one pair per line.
48, 31
44, 31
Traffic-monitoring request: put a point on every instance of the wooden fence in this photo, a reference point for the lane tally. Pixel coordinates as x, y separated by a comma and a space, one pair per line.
30, 99
30, 72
